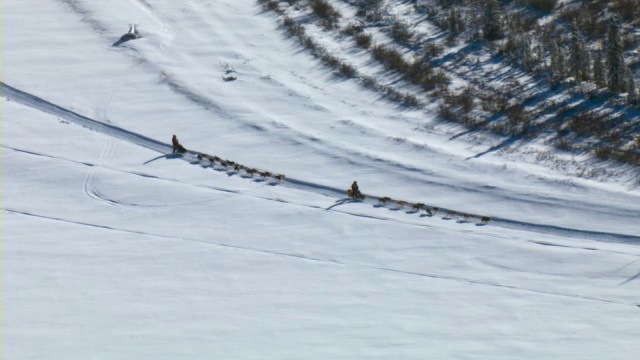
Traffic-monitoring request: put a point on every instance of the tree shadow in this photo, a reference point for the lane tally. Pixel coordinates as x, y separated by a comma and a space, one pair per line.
123, 39
132, 34
506, 142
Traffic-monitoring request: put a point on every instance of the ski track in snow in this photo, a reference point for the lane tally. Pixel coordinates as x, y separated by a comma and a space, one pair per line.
329, 261
38, 103
90, 188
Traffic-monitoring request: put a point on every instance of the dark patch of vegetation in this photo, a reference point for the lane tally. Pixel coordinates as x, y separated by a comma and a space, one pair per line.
391, 59
587, 124
324, 9
540, 5
363, 40
400, 32
527, 45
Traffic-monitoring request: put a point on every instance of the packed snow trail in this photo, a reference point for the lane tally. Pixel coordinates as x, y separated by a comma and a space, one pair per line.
38, 103
326, 191
35, 102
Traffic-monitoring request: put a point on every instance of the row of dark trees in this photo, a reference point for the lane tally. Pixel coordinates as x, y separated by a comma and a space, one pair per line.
604, 66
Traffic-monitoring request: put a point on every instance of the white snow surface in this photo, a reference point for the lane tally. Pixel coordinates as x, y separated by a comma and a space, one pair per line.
113, 250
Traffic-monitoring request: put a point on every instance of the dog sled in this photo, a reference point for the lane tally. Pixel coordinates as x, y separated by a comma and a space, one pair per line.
180, 149
356, 196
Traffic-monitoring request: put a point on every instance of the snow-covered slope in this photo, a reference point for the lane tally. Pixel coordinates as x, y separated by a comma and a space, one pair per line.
114, 250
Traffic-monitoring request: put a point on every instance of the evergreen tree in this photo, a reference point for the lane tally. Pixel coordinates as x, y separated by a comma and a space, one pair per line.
519, 47
632, 92
578, 57
599, 77
492, 21
456, 24
557, 62
615, 58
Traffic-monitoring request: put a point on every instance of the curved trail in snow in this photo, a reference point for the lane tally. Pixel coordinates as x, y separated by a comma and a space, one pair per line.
35, 102
90, 188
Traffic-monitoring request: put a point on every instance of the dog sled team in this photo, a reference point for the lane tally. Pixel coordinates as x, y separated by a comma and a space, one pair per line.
353, 193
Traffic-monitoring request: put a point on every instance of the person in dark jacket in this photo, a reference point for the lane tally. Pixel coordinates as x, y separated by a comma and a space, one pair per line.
355, 190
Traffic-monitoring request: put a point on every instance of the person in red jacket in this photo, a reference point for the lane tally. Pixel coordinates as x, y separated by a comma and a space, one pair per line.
174, 141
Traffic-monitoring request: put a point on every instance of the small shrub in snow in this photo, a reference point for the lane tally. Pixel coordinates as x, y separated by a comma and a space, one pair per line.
410, 100
435, 79
447, 112
353, 28
324, 10
417, 71
272, 5
432, 50
494, 102
330, 60
370, 82
293, 29
391, 59
328, 24
400, 32
371, 10
603, 152
363, 40
563, 144
288, 22
308, 43
465, 100
347, 70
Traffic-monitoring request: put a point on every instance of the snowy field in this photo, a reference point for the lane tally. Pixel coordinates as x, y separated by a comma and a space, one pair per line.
112, 249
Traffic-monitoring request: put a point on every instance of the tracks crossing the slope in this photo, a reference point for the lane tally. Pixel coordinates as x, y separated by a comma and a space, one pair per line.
304, 186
